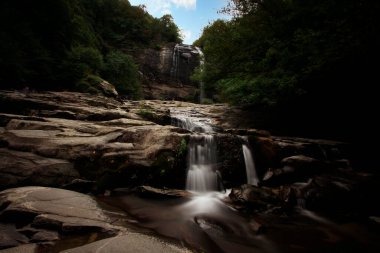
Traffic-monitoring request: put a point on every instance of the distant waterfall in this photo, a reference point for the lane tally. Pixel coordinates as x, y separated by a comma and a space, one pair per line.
202, 175
201, 83
175, 62
250, 167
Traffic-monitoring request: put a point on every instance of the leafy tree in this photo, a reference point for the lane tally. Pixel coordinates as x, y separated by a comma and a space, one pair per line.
282, 55
56, 44
122, 72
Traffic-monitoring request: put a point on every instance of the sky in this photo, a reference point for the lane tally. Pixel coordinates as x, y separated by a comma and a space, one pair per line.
191, 16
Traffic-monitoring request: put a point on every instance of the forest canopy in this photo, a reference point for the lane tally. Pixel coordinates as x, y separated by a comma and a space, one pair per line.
70, 44
285, 57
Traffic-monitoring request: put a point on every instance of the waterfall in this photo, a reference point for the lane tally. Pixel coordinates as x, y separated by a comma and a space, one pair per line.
201, 83
175, 62
249, 163
202, 174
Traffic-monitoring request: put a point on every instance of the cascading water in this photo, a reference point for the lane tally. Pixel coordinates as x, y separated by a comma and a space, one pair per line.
250, 167
201, 83
201, 174
202, 159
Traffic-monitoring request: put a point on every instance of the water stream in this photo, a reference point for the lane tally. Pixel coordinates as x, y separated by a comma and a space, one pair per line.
175, 62
207, 222
250, 167
202, 173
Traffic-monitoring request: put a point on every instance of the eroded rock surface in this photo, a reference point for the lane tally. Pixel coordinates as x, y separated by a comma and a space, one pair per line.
53, 138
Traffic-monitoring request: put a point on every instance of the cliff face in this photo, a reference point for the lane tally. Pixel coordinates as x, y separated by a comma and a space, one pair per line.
166, 72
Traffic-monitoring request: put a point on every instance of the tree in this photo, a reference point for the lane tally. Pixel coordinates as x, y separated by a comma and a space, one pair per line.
121, 71
281, 55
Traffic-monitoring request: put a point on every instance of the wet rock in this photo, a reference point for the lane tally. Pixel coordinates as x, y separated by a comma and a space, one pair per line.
151, 192
294, 168
129, 243
255, 196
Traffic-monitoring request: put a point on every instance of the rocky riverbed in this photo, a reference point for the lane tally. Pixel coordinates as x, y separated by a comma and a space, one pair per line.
55, 146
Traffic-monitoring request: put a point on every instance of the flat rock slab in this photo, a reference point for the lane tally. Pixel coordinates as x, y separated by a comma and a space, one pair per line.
129, 243
56, 209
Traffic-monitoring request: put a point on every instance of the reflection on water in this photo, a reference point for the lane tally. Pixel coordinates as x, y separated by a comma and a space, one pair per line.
205, 223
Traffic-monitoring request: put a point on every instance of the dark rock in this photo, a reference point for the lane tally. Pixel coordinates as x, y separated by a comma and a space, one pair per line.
256, 226
43, 236
9, 237
300, 162
246, 132
165, 78
323, 150
26, 248
252, 195
21, 168
294, 168
81, 185
340, 193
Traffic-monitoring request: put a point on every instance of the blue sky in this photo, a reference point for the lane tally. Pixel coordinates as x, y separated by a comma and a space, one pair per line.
191, 16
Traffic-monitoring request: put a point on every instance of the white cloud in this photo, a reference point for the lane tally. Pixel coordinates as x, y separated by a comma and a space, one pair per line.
161, 7
188, 4
186, 35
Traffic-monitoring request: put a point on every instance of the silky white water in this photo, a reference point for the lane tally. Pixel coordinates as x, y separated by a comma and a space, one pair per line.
250, 167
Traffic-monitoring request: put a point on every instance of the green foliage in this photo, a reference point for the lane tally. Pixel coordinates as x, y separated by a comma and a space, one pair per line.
90, 84
282, 55
145, 113
121, 71
274, 48
90, 60
182, 150
56, 44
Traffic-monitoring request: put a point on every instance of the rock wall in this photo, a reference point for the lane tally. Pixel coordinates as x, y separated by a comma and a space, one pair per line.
166, 72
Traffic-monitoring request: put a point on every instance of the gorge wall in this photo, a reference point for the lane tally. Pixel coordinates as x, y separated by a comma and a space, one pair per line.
166, 72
